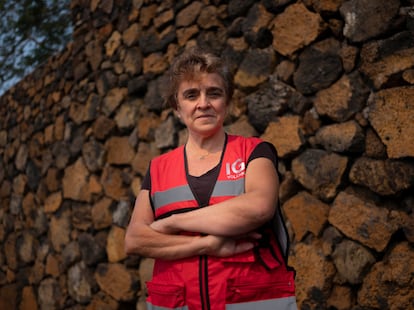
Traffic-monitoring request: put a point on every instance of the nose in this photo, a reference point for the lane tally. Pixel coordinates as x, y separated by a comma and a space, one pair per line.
204, 101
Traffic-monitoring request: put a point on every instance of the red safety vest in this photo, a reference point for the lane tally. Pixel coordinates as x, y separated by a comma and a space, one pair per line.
256, 279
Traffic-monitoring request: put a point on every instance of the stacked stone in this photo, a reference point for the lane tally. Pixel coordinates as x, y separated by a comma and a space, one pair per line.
328, 82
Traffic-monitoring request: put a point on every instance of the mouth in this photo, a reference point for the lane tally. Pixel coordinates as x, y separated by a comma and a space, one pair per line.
205, 116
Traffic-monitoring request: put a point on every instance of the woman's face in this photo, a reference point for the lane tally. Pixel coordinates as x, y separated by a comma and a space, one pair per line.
202, 104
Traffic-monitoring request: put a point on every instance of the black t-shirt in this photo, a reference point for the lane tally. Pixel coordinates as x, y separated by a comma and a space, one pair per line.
202, 185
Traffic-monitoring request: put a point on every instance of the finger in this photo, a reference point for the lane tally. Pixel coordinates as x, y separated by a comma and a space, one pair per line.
158, 226
251, 235
254, 235
243, 247
155, 225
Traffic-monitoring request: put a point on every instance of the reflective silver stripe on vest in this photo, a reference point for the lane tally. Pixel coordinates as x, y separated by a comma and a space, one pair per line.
286, 303
228, 188
184, 193
175, 194
280, 231
152, 307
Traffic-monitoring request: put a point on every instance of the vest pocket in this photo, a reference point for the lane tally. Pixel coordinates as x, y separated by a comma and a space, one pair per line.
168, 295
246, 289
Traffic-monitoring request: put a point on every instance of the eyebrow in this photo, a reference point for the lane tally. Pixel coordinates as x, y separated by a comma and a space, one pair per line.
190, 91
212, 88
215, 88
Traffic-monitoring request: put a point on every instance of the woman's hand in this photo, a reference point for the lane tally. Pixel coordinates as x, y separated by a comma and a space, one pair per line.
165, 226
227, 246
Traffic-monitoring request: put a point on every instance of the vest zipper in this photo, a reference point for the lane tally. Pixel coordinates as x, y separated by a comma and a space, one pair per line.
203, 274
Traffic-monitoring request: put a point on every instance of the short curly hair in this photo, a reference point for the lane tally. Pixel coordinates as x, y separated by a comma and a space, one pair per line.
191, 62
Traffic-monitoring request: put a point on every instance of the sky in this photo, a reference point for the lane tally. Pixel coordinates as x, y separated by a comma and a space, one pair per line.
23, 29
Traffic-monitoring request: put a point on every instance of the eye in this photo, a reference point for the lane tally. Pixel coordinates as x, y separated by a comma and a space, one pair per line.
215, 93
190, 95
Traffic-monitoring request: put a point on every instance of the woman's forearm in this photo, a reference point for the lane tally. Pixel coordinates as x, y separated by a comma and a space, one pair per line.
144, 241
172, 247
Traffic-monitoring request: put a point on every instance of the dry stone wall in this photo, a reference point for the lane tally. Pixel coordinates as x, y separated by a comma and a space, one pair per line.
329, 82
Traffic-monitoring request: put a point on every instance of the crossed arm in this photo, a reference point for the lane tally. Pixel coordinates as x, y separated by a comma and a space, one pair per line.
227, 228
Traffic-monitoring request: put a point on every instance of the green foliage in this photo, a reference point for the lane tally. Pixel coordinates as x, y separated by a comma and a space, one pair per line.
30, 32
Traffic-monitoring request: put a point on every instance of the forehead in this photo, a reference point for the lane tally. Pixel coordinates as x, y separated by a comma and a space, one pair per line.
202, 80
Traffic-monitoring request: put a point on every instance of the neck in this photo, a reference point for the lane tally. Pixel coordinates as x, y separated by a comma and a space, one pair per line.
201, 147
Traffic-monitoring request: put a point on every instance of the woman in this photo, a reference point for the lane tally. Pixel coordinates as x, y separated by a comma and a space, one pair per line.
206, 209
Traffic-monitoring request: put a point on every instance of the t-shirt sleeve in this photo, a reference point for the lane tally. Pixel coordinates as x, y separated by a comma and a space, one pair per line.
267, 150
146, 182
